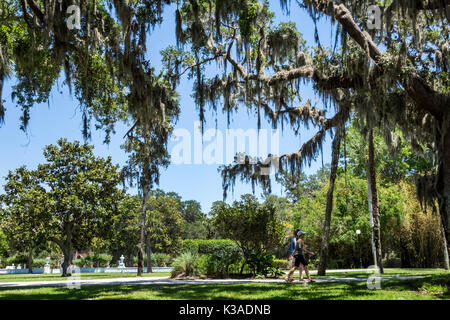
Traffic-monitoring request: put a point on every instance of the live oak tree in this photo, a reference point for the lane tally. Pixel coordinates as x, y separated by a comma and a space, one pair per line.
78, 196
407, 85
98, 45
408, 82
268, 65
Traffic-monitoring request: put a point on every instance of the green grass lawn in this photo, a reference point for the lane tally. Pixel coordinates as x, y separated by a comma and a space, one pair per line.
330, 274
435, 287
83, 276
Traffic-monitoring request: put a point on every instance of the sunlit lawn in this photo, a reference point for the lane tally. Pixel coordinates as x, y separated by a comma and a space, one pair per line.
436, 287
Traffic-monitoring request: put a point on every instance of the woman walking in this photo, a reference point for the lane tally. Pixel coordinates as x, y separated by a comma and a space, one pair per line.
293, 241
300, 260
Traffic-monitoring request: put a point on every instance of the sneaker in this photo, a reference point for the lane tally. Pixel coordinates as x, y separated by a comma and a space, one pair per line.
311, 280
288, 280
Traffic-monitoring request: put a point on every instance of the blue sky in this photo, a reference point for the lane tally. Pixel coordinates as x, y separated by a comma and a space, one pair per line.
60, 118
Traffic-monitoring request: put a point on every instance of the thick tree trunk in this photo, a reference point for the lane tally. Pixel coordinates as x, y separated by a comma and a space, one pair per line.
141, 251
149, 256
30, 260
326, 230
67, 249
374, 201
443, 184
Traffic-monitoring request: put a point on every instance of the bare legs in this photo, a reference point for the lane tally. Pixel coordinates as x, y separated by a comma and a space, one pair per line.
289, 277
307, 274
301, 272
290, 274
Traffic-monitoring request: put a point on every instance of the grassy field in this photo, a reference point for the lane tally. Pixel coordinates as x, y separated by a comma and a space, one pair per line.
435, 287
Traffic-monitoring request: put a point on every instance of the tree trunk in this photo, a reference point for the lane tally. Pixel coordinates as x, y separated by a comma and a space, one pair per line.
67, 249
149, 256
243, 265
30, 260
141, 251
369, 200
443, 188
326, 230
374, 201
444, 247
443, 181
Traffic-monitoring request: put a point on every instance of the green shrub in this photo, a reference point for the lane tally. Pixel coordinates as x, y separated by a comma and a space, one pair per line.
263, 264
159, 259
216, 255
202, 264
39, 263
184, 265
97, 260
282, 263
208, 246
16, 259
392, 263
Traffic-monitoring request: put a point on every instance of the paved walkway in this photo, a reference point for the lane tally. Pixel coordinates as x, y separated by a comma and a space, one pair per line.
166, 281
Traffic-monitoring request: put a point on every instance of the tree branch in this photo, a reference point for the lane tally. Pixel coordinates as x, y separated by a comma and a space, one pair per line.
416, 87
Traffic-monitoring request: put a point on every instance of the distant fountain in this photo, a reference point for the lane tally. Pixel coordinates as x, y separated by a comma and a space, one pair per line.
47, 265
121, 264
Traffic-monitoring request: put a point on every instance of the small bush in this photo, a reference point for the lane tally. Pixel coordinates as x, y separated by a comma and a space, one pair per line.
96, 260
282, 263
16, 260
161, 259
263, 264
184, 265
38, 263
392, 263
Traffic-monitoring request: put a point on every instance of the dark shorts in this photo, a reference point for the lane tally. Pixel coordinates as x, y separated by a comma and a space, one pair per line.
300, 259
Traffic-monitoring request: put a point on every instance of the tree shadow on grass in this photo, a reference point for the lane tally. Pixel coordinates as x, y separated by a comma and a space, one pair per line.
436, 286
272, 291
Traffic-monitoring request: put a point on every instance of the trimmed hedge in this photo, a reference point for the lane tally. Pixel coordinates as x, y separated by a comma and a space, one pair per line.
198, 246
